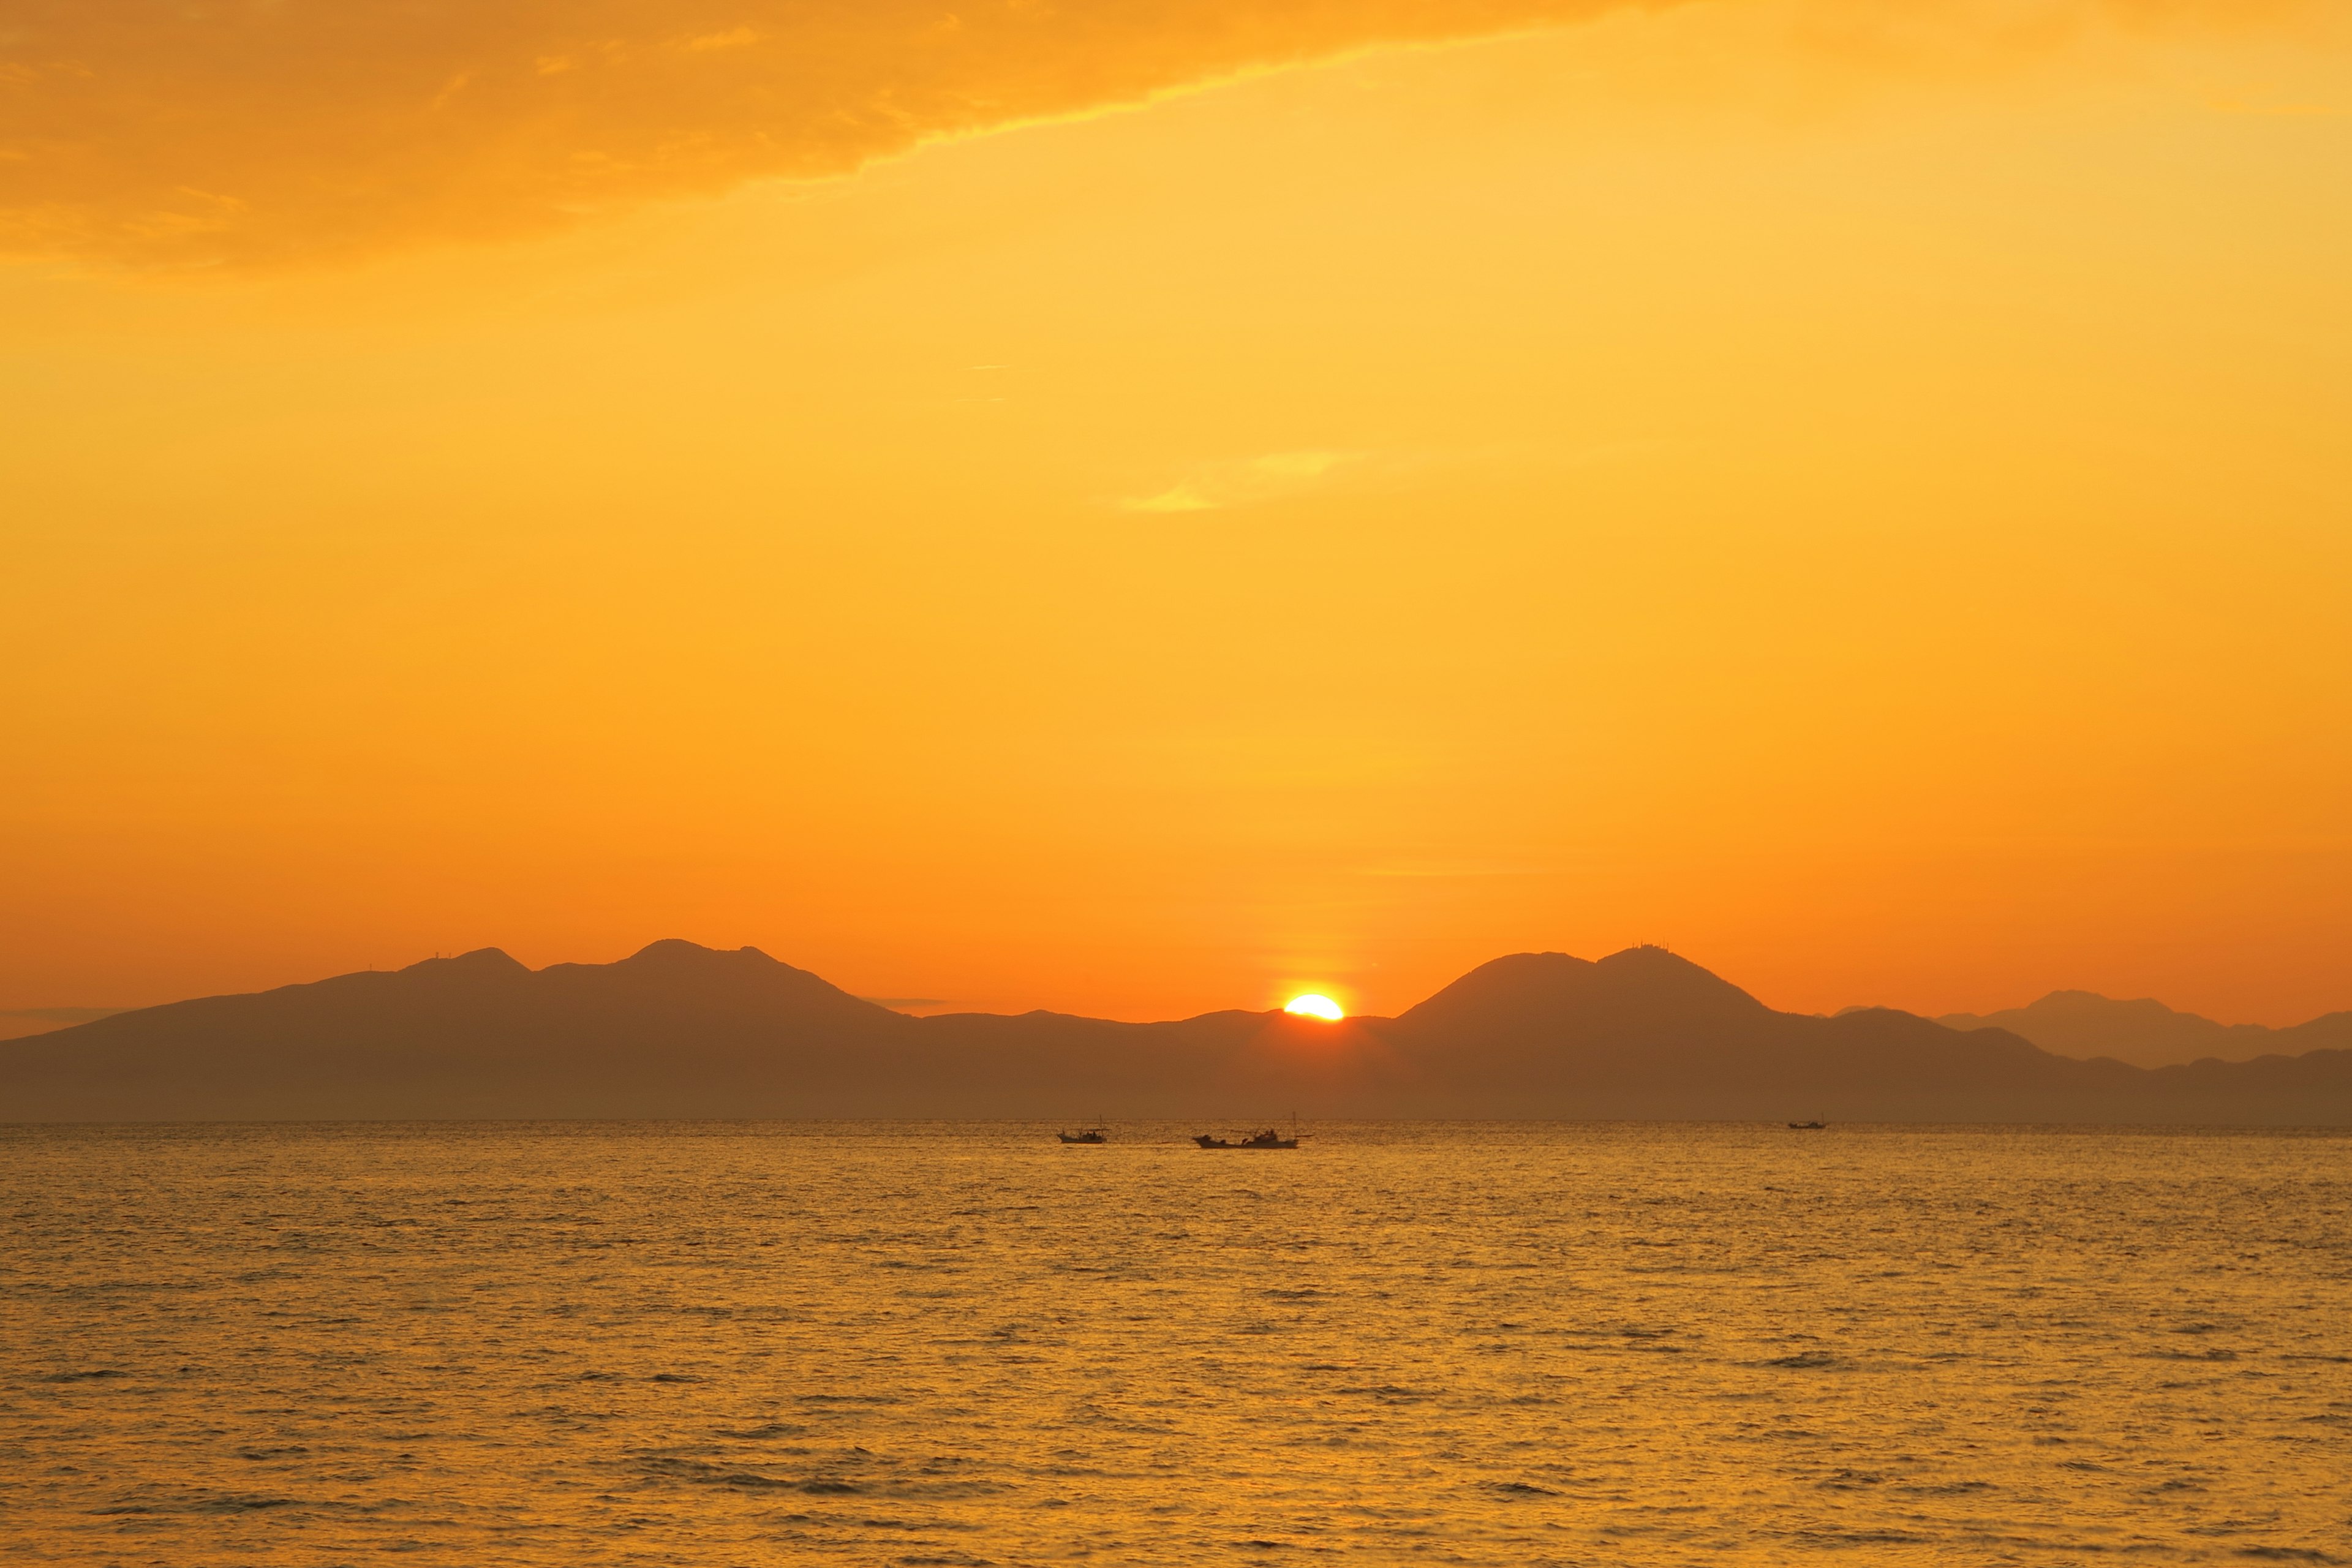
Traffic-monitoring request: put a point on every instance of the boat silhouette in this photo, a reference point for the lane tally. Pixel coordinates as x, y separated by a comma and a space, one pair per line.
1269, 1139
1807, 1126
1086, 1135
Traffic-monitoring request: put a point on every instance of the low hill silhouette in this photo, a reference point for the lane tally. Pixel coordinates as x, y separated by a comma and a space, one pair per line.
683, 1031
2145, 1033
19, 1021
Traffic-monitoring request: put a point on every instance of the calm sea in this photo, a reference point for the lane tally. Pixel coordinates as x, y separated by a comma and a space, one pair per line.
964, 1343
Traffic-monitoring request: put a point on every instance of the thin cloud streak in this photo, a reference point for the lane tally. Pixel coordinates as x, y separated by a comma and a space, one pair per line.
1213, 487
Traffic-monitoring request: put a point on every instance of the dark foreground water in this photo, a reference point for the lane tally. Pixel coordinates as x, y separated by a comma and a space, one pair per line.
565, 1344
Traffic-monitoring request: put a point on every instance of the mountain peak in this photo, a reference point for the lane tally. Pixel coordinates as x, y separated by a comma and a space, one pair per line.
1548, 986
481, 961
1658, 978
1501, 982
1650, 958
2086, 1002
2142, 1031
677, 950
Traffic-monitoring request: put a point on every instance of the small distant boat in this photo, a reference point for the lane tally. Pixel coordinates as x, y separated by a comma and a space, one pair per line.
1269, 1139
1086, 1135
1807, 1126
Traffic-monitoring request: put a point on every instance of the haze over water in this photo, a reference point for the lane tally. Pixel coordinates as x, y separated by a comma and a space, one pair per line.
934, 1343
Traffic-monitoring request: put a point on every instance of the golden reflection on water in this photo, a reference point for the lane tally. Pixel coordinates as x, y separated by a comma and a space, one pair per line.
957, 1344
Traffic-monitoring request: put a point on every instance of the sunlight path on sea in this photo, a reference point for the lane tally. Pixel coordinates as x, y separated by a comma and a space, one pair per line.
964, 1344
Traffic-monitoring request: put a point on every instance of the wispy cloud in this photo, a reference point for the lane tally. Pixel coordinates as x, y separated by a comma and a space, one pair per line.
1213, 487
2279, 111
1449, 870
253, 132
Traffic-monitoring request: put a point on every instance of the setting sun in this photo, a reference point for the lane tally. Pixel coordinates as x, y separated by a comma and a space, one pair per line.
1313, 1006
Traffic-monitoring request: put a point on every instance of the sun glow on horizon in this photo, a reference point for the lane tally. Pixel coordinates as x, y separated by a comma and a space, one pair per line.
1177, 524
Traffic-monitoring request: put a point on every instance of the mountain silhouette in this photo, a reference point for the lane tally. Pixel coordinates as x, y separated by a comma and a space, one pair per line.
683, 1031
2149, 1033
16, 1021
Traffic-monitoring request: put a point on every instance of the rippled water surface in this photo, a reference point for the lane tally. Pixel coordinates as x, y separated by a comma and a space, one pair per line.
569, 1345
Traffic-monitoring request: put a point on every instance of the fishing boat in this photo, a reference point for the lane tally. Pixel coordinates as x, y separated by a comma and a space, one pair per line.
1807, 1126
1269, 1139
1086, 1135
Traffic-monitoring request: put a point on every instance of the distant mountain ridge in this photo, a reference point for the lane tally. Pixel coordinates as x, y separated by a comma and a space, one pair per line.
2145, 1033
677, 1031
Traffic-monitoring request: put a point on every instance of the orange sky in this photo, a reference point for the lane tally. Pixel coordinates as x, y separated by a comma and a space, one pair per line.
1091, 507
